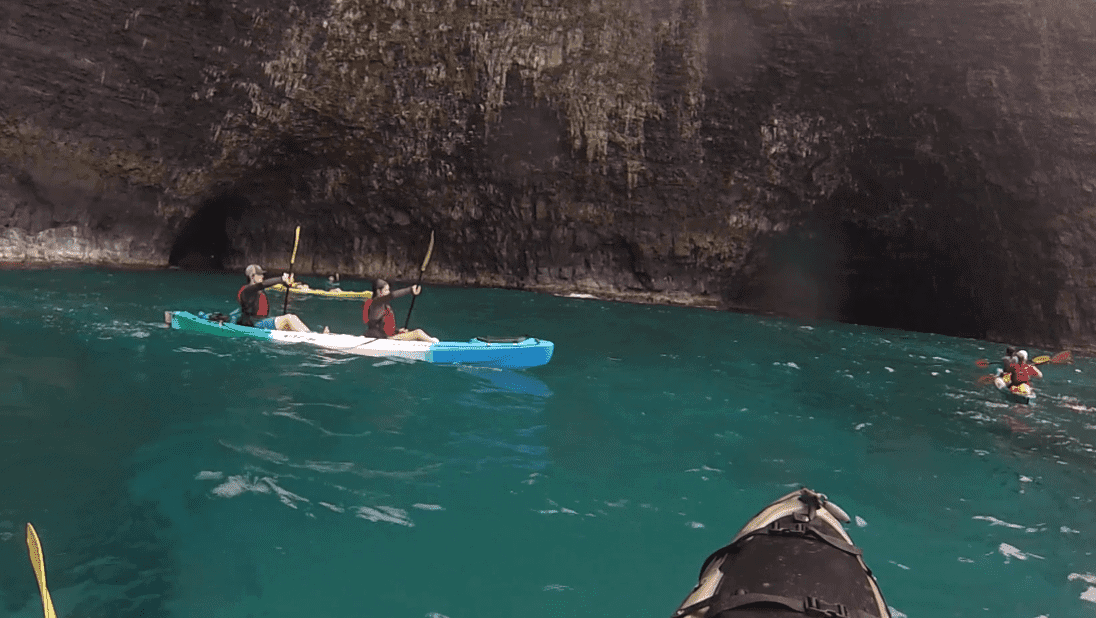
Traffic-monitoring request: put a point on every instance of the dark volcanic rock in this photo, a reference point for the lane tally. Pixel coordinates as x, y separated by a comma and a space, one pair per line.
925, 165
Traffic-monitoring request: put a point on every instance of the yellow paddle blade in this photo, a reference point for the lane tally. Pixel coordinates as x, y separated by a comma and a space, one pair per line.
429, 250
296, 240
1060, 358
34, 548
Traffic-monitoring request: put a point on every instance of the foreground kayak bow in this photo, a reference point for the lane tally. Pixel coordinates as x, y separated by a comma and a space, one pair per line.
793, 559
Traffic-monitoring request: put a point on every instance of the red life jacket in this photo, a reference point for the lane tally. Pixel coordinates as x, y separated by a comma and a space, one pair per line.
389, 318
264, 307
1024, 373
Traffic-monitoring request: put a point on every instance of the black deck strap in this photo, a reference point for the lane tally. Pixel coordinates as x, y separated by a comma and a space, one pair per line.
517, 339
803, 530
779, 528
808, 606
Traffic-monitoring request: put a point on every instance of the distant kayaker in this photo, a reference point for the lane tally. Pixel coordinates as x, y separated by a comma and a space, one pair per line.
1023, 371
1008, 366
333, 283
254, 308
380, 321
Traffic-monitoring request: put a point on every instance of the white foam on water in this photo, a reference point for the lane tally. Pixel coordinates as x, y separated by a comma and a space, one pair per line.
429, 507
236, 485
1011, 551
997, 522
388, 514
1085, 577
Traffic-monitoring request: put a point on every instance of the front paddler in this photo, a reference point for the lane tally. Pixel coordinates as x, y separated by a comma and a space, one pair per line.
379, 320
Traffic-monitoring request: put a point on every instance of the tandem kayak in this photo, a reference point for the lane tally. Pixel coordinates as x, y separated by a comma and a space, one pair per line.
508, 353
793, 559
304, 289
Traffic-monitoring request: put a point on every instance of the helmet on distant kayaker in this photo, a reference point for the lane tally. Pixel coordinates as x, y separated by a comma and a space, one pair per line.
254, 269
379, 284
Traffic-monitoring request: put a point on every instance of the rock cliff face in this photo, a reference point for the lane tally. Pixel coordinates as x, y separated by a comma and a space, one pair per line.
925, 165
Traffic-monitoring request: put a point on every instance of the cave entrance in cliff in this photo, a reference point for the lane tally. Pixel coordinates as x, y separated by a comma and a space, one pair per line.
908, 282
203, 243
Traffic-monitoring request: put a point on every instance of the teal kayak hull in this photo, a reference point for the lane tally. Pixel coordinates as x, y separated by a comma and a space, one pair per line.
520, 353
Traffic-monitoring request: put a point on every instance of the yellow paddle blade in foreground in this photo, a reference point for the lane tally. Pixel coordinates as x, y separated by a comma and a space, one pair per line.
34, 547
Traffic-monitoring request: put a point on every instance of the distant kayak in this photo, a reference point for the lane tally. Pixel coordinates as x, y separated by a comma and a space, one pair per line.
792, 559
507, 353
304, 289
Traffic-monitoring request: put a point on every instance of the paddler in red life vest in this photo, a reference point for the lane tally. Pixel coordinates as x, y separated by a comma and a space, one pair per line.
254, 308
379, 320
1023, 371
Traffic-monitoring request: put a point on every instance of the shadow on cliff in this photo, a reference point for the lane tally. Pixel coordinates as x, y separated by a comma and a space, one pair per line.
203, 244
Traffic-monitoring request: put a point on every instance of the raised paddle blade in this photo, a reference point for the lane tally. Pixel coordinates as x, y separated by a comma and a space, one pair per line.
292, 259
1060, 358
296, 241
981, 362
425, 261
34, 548
429, 250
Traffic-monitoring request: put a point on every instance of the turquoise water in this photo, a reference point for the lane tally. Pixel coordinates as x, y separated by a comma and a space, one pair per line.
174, 474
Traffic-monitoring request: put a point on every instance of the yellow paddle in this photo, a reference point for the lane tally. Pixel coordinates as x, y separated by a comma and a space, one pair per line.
429, 250
292, 258
1060, 358
34, 548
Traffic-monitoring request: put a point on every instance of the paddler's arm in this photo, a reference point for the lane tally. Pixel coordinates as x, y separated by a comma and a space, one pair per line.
406, 291
283, 279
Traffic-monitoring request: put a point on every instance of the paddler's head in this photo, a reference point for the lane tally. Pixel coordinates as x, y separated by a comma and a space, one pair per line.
254, 273
380, 287
1022, 356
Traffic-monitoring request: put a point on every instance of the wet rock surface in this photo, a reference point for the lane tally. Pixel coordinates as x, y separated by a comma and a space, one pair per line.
921, 165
